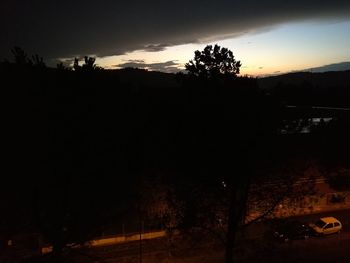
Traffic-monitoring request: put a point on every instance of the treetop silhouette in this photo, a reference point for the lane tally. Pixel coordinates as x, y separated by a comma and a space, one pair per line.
22, 59
213, 62
89, 64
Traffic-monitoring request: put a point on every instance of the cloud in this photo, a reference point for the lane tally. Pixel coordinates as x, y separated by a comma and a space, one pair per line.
67, 61
170, 66
56, 29
155, 48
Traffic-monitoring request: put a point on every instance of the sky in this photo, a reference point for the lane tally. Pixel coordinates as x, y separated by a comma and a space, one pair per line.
268, 37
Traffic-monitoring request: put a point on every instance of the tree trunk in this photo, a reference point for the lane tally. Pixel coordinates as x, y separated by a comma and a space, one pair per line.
231, 228
238, 201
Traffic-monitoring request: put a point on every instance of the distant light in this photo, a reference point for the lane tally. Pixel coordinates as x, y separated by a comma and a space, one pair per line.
223, 183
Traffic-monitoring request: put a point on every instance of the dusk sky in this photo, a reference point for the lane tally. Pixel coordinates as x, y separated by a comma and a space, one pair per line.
268, 37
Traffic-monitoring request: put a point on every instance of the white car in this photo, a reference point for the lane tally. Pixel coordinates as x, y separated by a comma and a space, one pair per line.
326, 226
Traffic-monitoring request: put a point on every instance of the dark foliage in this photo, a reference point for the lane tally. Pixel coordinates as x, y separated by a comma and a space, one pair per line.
213, 62
79, 143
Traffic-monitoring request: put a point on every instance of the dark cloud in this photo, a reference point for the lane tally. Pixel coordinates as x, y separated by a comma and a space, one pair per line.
68, 61
156, 48
169, 66
67, 28
133, 61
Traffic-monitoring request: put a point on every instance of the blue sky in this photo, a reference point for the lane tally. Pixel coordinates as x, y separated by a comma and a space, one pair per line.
283, 48
267, 36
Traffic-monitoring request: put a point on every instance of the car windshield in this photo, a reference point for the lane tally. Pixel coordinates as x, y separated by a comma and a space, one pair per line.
320, 223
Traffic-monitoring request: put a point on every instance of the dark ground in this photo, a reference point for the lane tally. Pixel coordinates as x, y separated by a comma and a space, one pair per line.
251, 248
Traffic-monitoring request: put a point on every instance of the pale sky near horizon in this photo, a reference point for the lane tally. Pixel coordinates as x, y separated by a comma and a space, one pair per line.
283, 48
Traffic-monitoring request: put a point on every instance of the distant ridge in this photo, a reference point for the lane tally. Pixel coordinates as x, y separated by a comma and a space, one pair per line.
142, 77
324, 79
342, 66
160, 79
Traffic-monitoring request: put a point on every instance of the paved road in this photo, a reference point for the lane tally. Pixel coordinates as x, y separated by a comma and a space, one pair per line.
334, 248
258, 230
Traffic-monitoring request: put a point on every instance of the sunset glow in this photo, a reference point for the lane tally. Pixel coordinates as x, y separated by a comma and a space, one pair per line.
289, 47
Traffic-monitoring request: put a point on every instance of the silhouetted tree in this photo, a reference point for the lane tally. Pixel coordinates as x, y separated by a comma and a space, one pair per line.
21, 57
159, 203
101, 127
89, 64
61, 66
76, 65
38, 61
212, 62
222, 127
333, 145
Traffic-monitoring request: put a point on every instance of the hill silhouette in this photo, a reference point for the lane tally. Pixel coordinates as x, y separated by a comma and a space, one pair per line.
135, 76
332, 78
342, 66
310, 89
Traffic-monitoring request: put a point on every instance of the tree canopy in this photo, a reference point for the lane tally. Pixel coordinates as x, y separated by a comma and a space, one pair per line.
213, 62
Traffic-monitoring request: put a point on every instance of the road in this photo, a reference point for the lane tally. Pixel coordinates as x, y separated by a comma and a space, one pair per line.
333, 248
250, 248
